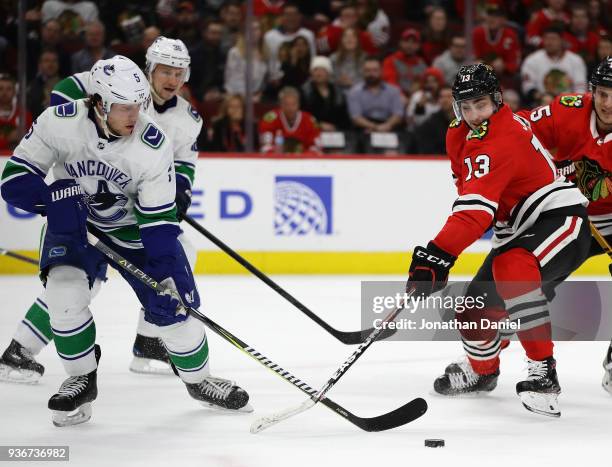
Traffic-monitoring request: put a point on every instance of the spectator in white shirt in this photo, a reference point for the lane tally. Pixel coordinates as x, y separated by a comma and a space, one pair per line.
235, 67
290, 27
452, 59
552, 69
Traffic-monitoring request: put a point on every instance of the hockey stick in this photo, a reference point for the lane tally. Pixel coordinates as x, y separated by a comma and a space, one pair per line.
603, 243
346, 337
266, 422
398, 417
12, 254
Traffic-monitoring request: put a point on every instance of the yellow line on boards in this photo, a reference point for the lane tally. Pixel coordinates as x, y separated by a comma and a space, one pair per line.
318, 262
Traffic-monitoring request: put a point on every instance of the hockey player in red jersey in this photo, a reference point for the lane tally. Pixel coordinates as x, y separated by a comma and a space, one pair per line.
505, 177
579, 130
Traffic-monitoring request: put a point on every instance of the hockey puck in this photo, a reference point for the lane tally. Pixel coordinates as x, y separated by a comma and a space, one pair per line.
434, 443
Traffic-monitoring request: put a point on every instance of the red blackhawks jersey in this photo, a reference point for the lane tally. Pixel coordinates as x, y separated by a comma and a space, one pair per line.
568, 126
277, 135
504, 177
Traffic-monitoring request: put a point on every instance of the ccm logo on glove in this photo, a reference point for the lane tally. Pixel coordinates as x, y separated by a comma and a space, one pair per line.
421, 253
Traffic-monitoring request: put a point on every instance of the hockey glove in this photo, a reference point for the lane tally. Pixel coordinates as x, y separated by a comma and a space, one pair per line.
67, 211
429, 269
183, 198
166, 308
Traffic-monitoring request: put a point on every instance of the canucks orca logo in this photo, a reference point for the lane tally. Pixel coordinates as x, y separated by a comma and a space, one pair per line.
108, 70
103, 200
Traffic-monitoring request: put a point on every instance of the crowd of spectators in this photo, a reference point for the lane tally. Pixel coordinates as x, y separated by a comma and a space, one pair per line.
354, 76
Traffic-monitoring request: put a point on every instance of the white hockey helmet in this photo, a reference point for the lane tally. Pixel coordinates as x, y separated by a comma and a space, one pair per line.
171, 52
118, 80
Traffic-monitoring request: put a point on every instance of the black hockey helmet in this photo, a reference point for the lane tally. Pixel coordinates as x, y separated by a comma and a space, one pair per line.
602, 74
474, 81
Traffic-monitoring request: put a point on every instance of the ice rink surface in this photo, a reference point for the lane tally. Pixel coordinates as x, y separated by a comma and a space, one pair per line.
150, 420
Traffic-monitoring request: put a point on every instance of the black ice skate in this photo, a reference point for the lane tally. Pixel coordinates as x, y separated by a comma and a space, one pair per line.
220, 393
459, 378
540, 391
150, 356
71, 405
607, 364
17, 365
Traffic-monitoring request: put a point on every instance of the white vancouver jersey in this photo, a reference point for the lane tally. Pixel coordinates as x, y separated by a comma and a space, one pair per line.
129, 181
179, 120
182, 124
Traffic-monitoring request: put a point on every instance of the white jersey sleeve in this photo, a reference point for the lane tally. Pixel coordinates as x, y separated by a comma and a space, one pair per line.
156, 188
183, 124
38, 150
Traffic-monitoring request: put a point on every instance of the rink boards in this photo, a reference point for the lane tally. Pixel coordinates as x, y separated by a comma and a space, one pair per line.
288, 214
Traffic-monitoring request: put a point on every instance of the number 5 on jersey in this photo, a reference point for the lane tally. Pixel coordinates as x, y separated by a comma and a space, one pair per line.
481, 163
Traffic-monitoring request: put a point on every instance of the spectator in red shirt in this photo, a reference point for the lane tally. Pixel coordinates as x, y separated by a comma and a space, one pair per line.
405, 67
543, 18
289, 129
579, 38
496, 43
436, 37
328, 38
9, 113
268, 7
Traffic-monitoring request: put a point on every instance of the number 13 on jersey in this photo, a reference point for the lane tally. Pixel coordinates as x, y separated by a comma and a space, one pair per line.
479, 168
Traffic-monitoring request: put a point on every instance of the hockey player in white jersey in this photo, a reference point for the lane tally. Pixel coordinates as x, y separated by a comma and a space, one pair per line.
114, 174
167, 69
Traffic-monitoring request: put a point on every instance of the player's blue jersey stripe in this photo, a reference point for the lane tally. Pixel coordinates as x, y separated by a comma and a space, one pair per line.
19, 160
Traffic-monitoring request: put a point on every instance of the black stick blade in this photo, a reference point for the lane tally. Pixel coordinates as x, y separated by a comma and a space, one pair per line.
400, 416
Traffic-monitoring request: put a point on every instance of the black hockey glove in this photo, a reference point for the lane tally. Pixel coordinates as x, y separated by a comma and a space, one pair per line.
429, 269
183, 198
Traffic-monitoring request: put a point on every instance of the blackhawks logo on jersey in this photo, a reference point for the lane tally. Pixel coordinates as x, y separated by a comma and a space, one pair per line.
594, 182
479, 132
269, 117
571, 101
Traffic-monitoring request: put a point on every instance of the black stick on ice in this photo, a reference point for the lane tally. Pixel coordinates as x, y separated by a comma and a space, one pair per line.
398, 417
265, 422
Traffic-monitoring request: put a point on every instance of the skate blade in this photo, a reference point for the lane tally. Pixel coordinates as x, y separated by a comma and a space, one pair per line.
461, 395
149, 366
246, 409
81, 415
11, 375
542, 404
